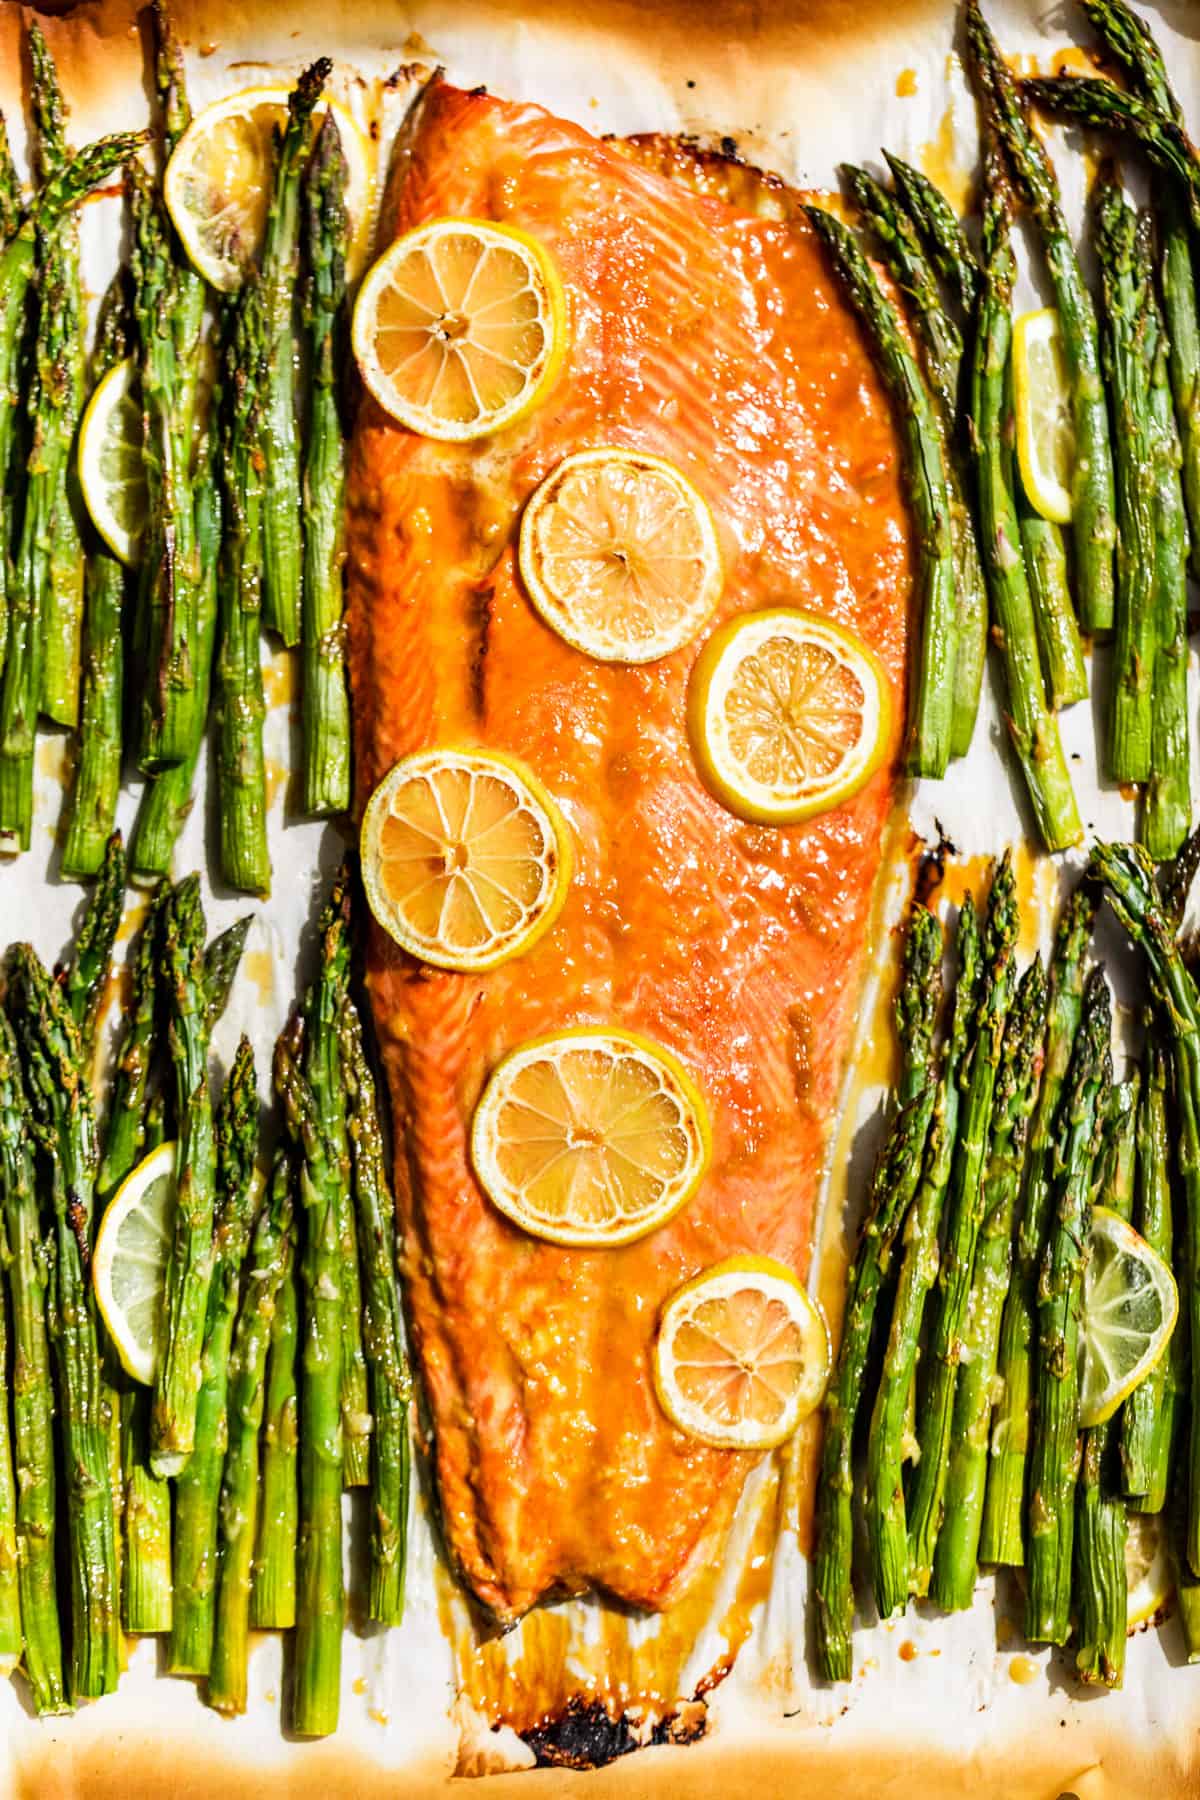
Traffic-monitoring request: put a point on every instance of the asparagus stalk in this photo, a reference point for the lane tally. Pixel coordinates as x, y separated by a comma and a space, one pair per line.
92, 808
1187, 1585
282, 556
1176, 880
33, 1413
326, 1003
1060, 648
222, 960
85, 978
1054, 1453
941, 343
11, 1639
1033, 729
146, 1595
964, 1217
1101, 106
1128, 880
61, 1109
956, 1558
239, 1511
273, 1599
1127, 35
932, 707
125, 1133
190, 1262
887, 1529
1151, 1414
11, 208
326, 696
241, 768
198, 1485
170, 310
1002, 1540
1168, 809
1093, 520
945, 241
62, 595
320, 1596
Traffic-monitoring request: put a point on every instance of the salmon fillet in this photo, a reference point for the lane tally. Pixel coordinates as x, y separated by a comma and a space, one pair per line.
717, 339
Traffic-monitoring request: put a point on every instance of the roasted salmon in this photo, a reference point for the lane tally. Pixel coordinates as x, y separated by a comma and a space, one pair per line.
716, 338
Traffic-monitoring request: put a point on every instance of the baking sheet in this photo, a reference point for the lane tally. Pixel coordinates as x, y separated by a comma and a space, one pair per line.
957, 1701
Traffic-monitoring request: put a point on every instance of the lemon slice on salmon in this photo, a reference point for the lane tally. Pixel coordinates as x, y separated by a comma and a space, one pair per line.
460, 328
112, 475
129, 1262
217, 184
1130, 1305
590, 1137
466, 859
619, 554
742, 1355
789, 715
1045, 430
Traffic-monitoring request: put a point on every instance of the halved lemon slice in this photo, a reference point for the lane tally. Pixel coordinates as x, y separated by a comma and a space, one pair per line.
217, 184
1148, 1577
466, 859
112, 475
1130, 1304
129, 1263
742, 1355
460, 328
789, 715
590, 1137
619, 554
1045, 432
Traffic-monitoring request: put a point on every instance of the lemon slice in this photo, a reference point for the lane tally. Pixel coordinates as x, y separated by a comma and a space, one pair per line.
1130, 1304
460, 328
789, 715
111, 473
217, 184
1148, 1577
1045, 432
590, 1137
619, 554
466, 859
742, 1355
129, 1263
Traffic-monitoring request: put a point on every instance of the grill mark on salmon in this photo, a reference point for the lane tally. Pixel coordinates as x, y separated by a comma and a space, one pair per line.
705, 333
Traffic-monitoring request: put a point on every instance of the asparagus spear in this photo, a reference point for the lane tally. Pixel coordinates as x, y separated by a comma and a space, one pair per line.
1127, 320
240, 1482
932, 707
1128, 881
62, 595
273, 1599
1150, 1416
326, 697
320, 1596
1127, 35
125, 1133
964, 1217
1100, 106
241, 768
1032, 728
62, 1114
1054, 1453
945, 241
190, 1262
941, 343
1187, 1585
956, 1558
11, 207
11, 1639
222, 960
85, 978
198, 1485
170, 311
92, 808
1177, 878
1101, 1599
1168, 808
327, 1000
887, 1530
33, 1413
1093, 518
1060, 649
280, 265
1002, 1539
